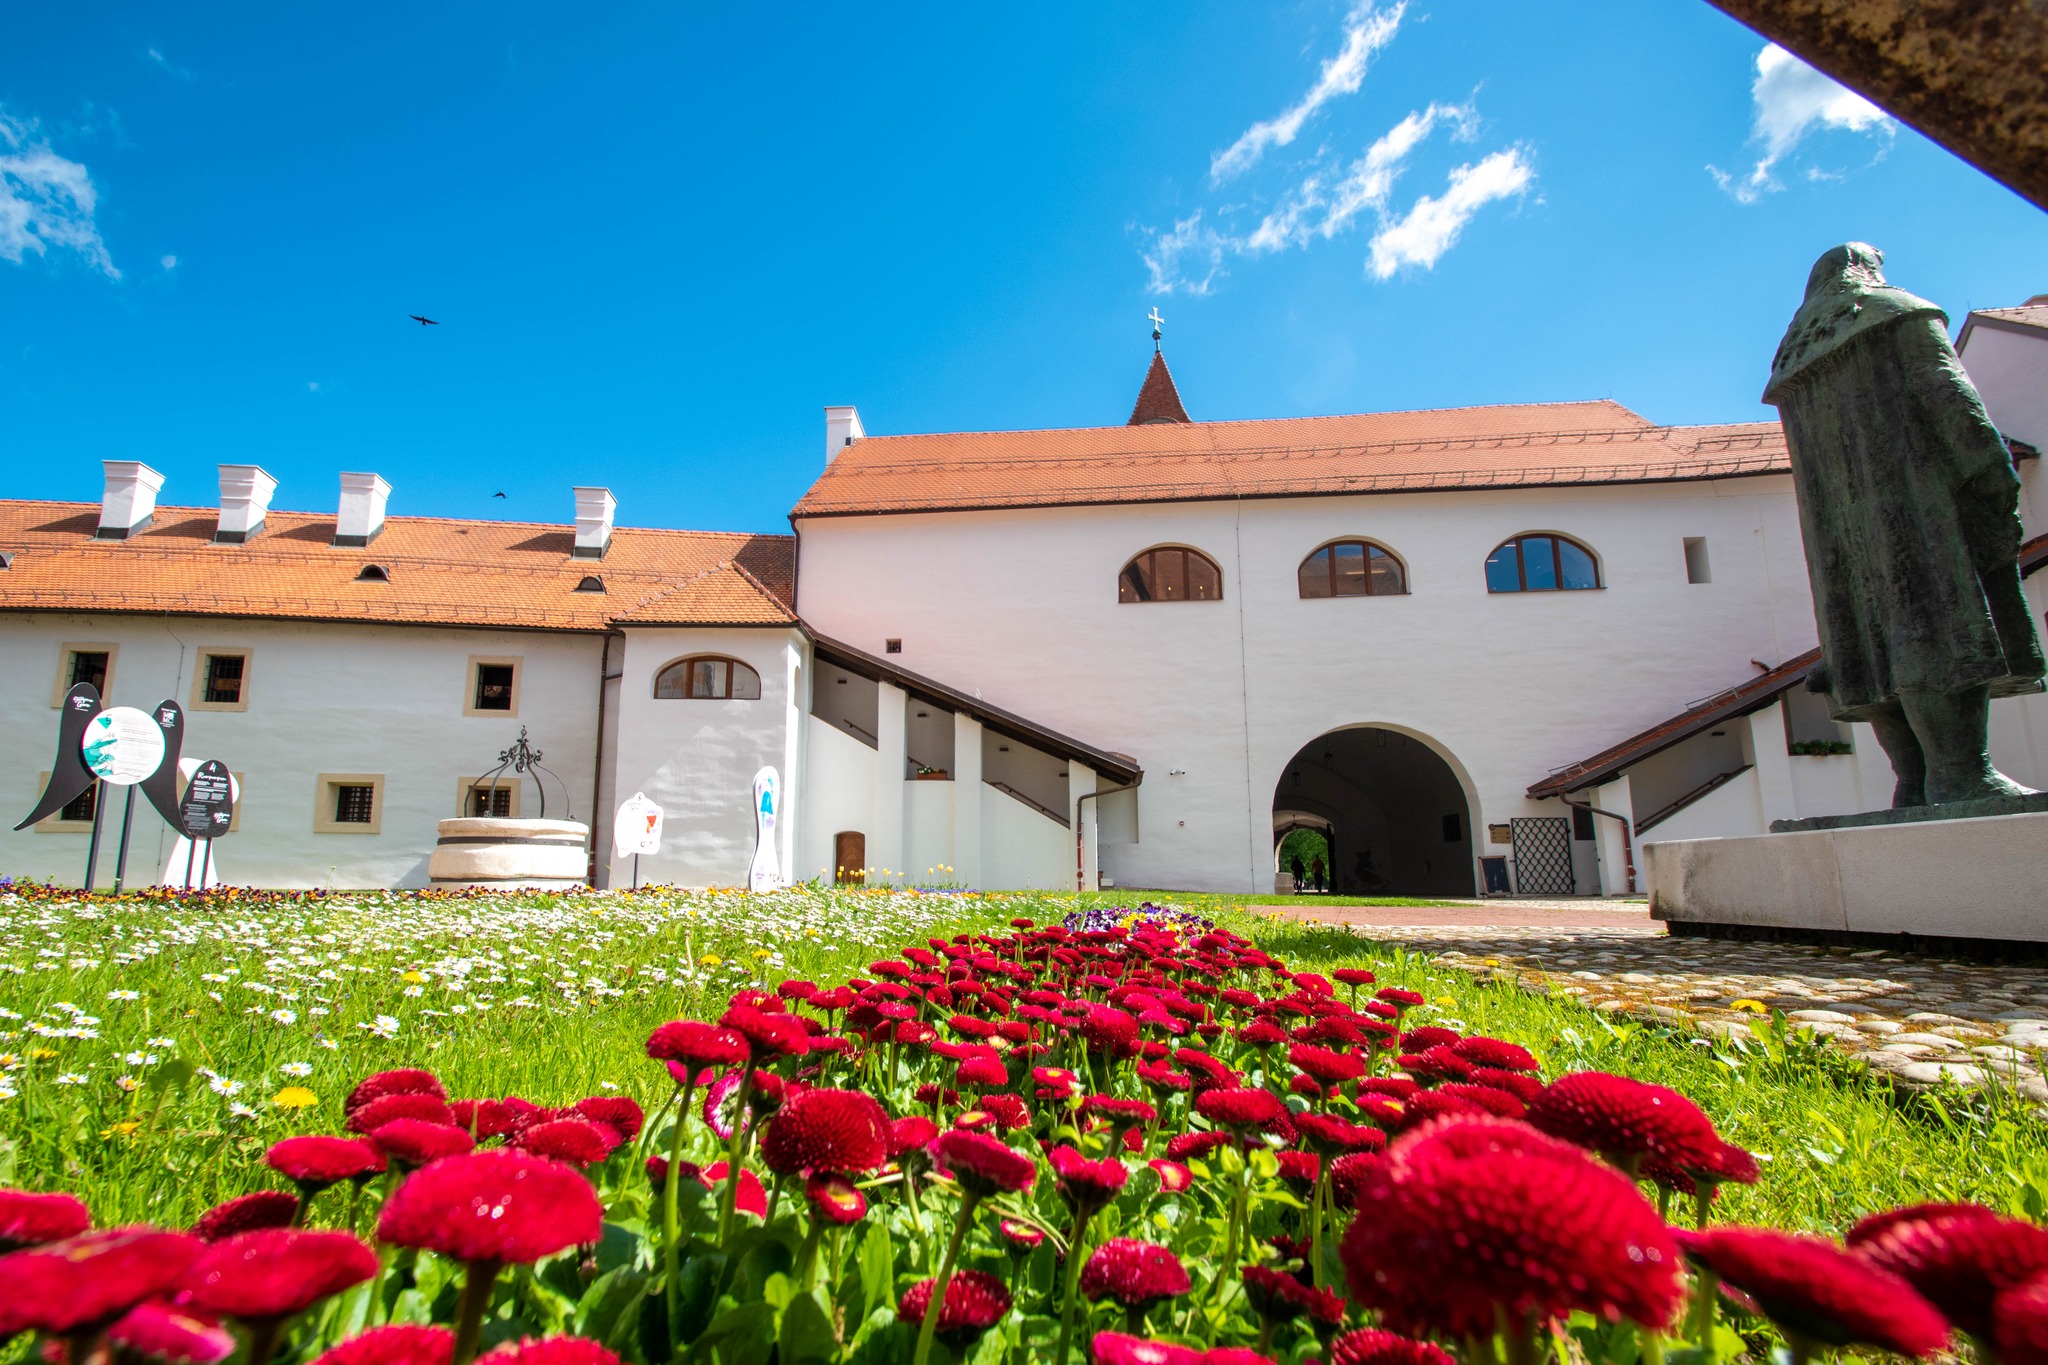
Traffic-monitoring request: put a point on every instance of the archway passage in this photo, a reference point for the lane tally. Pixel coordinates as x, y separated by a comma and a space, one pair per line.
1393, 811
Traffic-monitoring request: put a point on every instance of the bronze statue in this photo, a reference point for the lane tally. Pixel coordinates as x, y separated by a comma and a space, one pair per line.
1909, 508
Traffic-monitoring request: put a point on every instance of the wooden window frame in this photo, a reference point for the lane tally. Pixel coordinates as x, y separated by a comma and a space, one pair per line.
464, 785
654, 687
1557, 540
517, 662
198, 701
1400, 568
1151, 550
66, 650
324, 797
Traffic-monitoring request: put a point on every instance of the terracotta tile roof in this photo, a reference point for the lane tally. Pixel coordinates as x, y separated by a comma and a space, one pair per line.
2031, 316
442, 572
1511, 446
1751, 695
1158, 399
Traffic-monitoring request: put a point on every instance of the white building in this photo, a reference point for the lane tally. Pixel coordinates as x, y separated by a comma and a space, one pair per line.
1182, 639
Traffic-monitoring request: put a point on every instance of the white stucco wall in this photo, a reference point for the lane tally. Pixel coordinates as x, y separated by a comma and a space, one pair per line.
697, 759
2008, 368
322, 698
1506, 687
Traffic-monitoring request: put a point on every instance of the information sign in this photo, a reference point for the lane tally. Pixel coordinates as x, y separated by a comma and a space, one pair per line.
766, 872
122, 745
637, 829
208, 806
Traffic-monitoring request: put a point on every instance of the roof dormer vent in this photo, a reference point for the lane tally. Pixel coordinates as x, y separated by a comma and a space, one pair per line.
129, 502
363, 497
245, 492
373, 573
594, 510
842, 429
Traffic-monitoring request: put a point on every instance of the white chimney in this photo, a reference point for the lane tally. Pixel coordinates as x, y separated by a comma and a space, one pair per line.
244, 501
362, 509
594, 508
130, 499
842, 429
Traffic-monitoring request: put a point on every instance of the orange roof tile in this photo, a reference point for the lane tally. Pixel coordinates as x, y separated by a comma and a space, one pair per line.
1158, 399
443, 572
1509, 446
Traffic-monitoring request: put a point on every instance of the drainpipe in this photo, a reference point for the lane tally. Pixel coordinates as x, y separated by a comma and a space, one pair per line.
1628, 850
604, 676
1081, 831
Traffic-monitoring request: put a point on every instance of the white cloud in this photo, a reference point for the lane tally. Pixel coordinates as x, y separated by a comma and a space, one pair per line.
1431, 227
1188, 259
169, 262
1367, 29
165, 64
45, 201
1792, 101
1321, 207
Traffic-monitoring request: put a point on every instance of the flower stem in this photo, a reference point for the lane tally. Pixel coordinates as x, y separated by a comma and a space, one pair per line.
732, 1156
263, 1335
1315, 1224
1073, 1285
671, 1220
937, 1304
477, 1279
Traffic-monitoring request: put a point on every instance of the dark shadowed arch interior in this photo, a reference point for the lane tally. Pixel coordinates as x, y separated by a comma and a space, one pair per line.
1393, 810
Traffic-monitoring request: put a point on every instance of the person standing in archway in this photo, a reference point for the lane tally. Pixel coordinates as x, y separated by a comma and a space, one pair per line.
1316, 872
1294, 867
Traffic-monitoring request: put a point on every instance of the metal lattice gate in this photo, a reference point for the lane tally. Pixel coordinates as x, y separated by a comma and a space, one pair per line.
1543, 856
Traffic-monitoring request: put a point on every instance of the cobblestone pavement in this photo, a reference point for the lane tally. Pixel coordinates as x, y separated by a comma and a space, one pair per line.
1923, 1020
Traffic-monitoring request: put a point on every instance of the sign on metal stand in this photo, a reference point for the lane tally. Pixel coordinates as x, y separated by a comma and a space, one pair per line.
766, 872
70, 778
636, 830
122, 746
205, 813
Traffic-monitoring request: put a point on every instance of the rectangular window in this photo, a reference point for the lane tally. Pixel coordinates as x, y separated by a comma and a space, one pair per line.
74, 817
1539, 563
1697, 569
1349, 559
349, 803
220, 682
79, 810
1582, 824
1504, 569
83, 663
497, 799
493, 686
707, 678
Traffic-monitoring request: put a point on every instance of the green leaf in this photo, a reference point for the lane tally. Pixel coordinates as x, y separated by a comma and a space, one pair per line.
172, 1075
778, 1291
878, 1268
609, 1299
697, 1292
806, 1332
739, 1336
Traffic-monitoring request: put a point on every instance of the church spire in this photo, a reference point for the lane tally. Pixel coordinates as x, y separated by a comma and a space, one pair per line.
1158, 399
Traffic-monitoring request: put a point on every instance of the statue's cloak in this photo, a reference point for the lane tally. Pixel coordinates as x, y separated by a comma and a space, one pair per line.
1908, 502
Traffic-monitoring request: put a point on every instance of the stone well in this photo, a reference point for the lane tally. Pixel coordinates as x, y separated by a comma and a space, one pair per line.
546, 855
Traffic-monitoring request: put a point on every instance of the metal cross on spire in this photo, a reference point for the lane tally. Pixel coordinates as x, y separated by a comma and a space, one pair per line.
1157, 323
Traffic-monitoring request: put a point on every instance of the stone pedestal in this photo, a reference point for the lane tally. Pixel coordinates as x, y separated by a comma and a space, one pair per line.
544, 855
1983, 879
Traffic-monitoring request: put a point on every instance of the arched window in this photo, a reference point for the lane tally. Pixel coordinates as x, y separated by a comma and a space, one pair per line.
707, 677
1541, 563
1171, 573
1352, 568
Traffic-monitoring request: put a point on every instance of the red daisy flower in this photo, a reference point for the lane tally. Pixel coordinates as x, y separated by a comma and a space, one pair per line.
1622, 1119
1331, 1135
1056, 1078
1814, 1289
1109, 1030
481, 1118
910, 1134
1114, 1348
1522, 1087
1136, 1274
550, 1351
247, 1213
1086, 1185
1022, 1236
570, 1140
400, 1345
1354, 976
1498, 1103
368, 1117
1326, 1065
1374, 1347
1960, 1259
59, 1287
2020, 1324
276, 1272
1426, 1106
28, 1219
1422, 1039
162, 1332
835, 1199
617, 1112
1496, 1054
1300, 1169
975, 1302
316, 1161
753, 1196
1240, 1110
769, 1035
1399, 998
1195, 1146
1439, 1063
840, 1132
983, 1165
693, 1043
1009, 1111
1173, 1177
415, 1142
405, 1081
982, 1073
1466, 1218
1277, 1296
1118, 1113
493, 1206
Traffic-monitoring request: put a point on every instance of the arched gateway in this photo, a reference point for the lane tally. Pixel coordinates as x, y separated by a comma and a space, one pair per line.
1394, 811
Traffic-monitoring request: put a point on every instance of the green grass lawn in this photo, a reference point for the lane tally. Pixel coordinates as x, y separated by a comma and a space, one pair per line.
145, 1046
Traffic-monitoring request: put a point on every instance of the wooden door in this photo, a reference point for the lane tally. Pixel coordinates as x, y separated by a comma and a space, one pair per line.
850, 857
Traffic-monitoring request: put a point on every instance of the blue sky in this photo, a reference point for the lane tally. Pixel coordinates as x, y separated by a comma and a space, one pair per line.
659, 238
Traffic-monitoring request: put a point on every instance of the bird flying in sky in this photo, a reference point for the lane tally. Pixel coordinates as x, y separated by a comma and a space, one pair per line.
424, 322
497, 495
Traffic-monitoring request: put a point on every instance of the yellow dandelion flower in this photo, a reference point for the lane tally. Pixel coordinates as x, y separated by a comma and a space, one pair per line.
1753, 1006
413, 977
42, 1054
762, 955
121, 1130
711, 960
295, 1097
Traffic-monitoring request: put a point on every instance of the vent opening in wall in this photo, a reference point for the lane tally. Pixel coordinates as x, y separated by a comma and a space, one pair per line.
590, 583
374, 573
1697, 567
892, 646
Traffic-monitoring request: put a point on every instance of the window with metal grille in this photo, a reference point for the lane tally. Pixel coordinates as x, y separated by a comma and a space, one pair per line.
224, 677
89, 666
1352, 568
1541, 563
707, 677
494, 687
354, 805
490, 801
1171, 573
81, 807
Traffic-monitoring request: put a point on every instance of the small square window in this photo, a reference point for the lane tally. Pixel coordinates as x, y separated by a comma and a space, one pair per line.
496, 799
892, 646
1582, 824
74, 817
354, 803
349, 803
83, 663
221, 680
1698, 569
493, 686
80, 808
